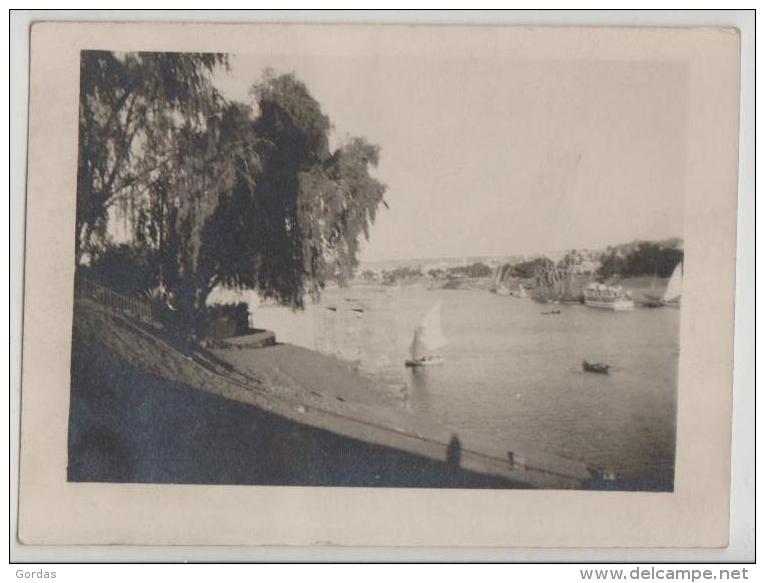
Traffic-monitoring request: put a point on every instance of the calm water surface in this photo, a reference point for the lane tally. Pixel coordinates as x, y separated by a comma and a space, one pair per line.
513, 376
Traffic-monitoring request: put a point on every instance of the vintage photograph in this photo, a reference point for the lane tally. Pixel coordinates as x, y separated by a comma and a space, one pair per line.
351, 270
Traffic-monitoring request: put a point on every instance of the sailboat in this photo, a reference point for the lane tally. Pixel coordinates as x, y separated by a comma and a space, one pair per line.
499, 286
521, 293
671, 295
674, 289
428, 337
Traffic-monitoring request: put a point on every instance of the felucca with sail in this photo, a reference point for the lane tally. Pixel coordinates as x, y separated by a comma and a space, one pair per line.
428, 338
672, 293
500, 286
674, 288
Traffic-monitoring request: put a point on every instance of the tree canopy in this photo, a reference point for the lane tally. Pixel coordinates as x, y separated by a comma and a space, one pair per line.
132, 107
219, 192
646, 259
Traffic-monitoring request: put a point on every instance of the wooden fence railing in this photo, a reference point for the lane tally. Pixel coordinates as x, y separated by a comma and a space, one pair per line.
86, 288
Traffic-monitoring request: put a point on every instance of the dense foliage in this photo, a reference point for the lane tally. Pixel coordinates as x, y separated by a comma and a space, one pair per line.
403, 273
124, 269
132, 108
646, 259
531, 268
476, 269
216, 192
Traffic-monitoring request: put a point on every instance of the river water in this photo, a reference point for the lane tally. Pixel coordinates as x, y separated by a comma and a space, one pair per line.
514, 376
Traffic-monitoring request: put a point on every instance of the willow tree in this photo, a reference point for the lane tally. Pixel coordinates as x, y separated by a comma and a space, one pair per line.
338, 203
296, 210
132, 108
207, 232
220, 193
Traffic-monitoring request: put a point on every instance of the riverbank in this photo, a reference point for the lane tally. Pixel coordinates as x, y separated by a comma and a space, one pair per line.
640, 286
143, 412
512, 378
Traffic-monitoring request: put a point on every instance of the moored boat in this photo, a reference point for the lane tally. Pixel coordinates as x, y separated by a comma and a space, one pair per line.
520, 292
595, 367
649, 302
607, 297
424, 361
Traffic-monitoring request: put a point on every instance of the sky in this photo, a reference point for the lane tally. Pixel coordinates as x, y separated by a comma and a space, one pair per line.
494, 157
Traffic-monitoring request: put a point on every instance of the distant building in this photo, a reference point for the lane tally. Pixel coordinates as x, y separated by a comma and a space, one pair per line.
586, 266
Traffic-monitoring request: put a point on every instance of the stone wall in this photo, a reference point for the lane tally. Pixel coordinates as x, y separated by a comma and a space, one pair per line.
358, 325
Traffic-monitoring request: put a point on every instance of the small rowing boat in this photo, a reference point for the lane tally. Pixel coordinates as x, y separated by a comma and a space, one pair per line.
595, 367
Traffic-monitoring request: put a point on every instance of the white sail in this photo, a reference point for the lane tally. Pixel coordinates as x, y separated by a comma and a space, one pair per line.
432, 336
675, 285
417, 349
428, 336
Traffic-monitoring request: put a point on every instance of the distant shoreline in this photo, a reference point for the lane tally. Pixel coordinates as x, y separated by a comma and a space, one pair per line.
393, 262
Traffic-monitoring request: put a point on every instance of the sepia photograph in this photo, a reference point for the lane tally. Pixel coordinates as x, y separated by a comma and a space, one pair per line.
331, 286
333, 271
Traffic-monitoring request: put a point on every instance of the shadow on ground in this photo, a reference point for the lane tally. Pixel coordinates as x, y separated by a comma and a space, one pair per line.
127, 426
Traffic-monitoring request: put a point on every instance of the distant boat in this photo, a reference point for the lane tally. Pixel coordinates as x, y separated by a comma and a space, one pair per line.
595, 367
671, 295
503, 290
607, 297
428, 337
651, 302
674, 289
497, 286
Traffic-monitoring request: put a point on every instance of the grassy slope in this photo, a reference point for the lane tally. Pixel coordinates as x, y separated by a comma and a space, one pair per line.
141, 413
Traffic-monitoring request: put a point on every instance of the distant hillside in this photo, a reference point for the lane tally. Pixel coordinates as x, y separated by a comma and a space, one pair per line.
424, 262
634, 258
657, 258
632, 246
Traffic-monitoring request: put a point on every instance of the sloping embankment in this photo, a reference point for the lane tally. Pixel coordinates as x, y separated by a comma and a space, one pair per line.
142, 412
